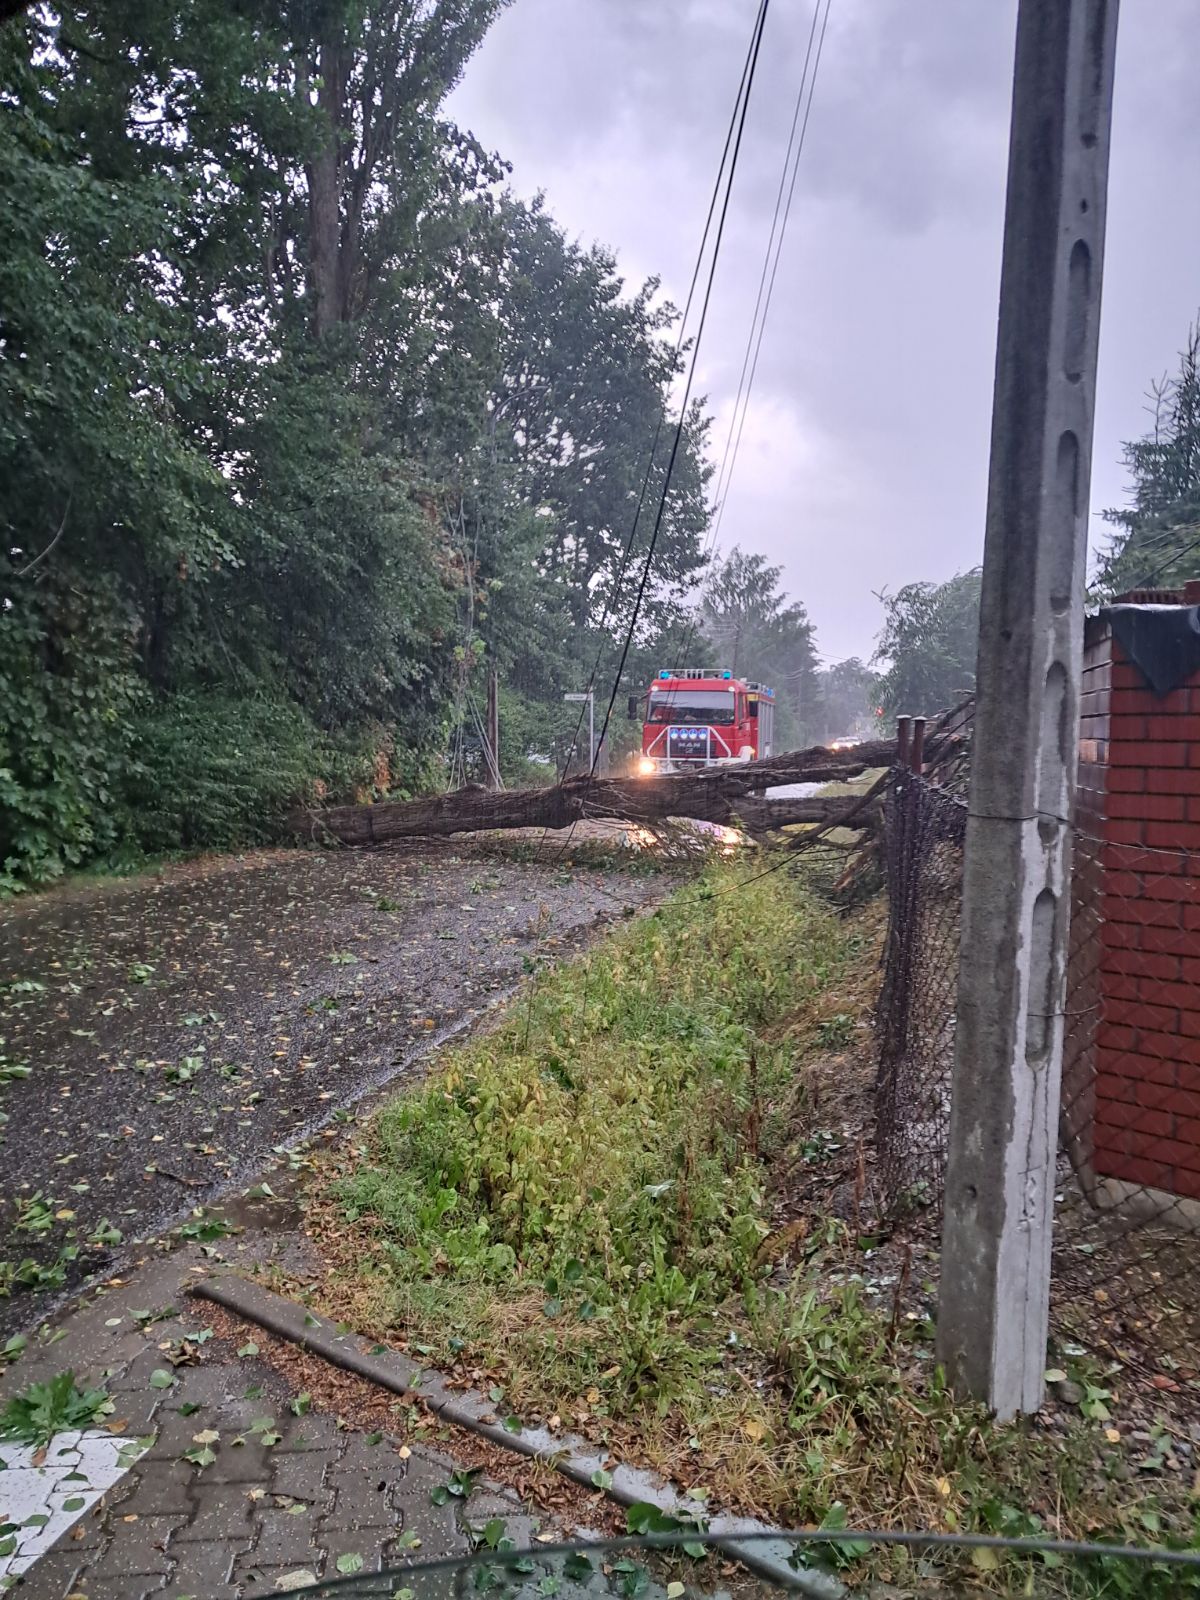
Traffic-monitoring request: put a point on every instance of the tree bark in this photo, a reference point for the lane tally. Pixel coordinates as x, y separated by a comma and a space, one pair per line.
713, 794
324, 174
826, 811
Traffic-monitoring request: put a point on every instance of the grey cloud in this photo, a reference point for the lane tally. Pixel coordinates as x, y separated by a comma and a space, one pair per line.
866, 451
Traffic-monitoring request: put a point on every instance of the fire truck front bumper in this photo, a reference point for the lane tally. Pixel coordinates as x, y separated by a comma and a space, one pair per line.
660, 766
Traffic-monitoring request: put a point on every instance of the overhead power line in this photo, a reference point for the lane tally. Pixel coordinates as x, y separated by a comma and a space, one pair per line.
766, 283
757, 337
681, 424
766, 280
1173, 558
737, 114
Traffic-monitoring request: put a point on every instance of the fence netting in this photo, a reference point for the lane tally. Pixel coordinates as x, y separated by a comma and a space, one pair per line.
1126, 1253
924, 829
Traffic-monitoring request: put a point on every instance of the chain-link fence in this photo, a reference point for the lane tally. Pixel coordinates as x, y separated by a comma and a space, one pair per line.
924, 830
1126, 1252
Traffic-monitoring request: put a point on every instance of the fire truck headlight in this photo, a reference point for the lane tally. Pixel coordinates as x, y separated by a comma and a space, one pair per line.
645, 766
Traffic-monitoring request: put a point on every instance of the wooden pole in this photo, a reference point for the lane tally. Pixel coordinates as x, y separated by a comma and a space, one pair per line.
493, 730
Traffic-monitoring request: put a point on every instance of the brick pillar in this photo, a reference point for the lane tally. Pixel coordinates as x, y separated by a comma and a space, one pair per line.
1145, 975
1085, 951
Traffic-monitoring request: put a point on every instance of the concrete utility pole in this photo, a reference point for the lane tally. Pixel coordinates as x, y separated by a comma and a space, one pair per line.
995, 1277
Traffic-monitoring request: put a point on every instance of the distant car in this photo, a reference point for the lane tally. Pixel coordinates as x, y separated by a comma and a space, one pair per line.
846, 742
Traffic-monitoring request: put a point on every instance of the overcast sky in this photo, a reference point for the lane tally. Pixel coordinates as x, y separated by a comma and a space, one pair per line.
864, 460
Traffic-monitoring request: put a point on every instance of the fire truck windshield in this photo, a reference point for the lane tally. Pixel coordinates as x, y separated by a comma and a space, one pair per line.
707, 707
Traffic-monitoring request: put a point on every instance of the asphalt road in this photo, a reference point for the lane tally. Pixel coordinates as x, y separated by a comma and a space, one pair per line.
184, 1030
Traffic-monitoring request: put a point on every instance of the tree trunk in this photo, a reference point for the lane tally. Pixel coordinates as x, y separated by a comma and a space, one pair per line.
712, 794
760, 816
324, 172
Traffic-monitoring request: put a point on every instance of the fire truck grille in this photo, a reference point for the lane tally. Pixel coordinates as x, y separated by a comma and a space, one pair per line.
688, 744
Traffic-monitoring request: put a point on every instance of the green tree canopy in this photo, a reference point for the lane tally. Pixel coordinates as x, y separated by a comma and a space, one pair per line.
305, 422
849, 699
1158, 543
757, 634
928, 645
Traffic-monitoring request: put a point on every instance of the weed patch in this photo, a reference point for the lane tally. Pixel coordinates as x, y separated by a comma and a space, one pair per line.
575, 1212
44, 1409
588, 1176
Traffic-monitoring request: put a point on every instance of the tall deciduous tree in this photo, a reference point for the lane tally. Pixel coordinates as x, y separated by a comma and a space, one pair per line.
849, 699
316, 416
375, 71
928, 645
758, 634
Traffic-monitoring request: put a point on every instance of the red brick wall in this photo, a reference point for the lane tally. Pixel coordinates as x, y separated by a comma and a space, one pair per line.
1137, 904
1094, 711
1086, 954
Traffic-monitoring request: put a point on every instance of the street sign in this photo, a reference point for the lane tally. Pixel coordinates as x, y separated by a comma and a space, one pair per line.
577, 697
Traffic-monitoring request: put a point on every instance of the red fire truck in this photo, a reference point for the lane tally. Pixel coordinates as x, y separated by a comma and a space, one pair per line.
702, 717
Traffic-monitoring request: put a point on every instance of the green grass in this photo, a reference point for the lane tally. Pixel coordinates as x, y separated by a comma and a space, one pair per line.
572, 1211
595, 1162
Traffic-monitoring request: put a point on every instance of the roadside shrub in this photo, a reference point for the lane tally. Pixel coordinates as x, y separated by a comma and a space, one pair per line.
67, 691
216, 770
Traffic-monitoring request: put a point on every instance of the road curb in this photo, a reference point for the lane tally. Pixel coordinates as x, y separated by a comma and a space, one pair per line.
568, 1454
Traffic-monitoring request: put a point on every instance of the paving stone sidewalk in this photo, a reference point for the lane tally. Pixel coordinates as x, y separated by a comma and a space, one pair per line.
283, 1494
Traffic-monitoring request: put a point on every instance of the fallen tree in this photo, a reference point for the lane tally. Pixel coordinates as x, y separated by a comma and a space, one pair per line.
757, 815
727, 795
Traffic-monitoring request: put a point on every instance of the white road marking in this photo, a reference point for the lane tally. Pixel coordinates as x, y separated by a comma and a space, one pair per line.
39, 1503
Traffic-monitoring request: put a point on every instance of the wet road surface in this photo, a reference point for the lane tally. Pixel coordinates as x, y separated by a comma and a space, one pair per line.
181, 1031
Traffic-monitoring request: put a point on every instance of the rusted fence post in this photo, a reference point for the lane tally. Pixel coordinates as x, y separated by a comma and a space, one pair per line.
894, 1001
903, 738
917, 756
